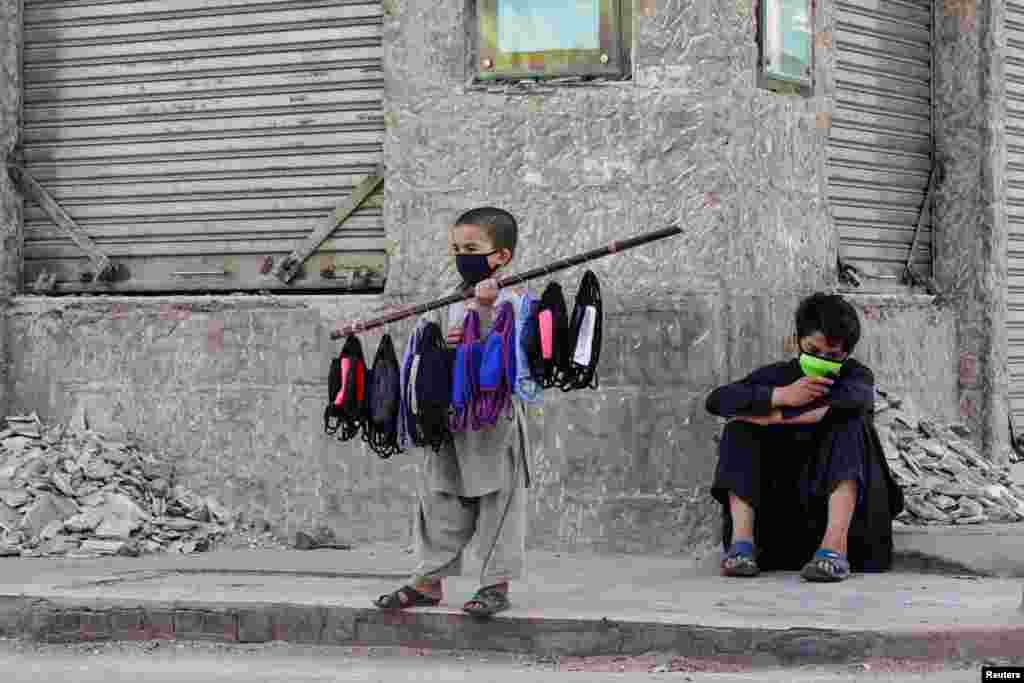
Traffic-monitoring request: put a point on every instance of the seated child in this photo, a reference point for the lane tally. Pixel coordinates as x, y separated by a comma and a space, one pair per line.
802, 478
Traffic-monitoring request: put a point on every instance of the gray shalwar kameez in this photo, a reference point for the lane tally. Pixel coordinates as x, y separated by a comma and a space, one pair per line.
478, 485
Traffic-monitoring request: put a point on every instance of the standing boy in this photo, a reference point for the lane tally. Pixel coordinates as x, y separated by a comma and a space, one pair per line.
801, 472
476, 485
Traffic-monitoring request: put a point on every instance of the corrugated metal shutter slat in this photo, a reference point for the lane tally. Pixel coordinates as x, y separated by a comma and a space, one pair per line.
1015, 206
203, 136
880, 144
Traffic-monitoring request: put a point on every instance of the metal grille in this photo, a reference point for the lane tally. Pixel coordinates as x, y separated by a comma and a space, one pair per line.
1015, 206
192, 139
880, 144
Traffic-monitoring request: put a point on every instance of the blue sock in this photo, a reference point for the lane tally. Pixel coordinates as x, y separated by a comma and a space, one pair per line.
745, 547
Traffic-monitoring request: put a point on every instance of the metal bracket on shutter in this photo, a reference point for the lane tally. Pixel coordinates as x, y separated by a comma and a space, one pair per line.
1015, 440
105, 270
289, 267
909, 276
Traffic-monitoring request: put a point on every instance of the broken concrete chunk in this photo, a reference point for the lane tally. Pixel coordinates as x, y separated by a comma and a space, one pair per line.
935, 466
102, 547
9, 517
62, 483
178, 524
119, 489
14, 499
922, 508
85, 521
960, 429
16, 445
116, 528
45, 509
51, 530
942, 502
98, 469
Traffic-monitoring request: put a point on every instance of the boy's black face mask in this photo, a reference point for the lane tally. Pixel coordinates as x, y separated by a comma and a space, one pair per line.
474, 268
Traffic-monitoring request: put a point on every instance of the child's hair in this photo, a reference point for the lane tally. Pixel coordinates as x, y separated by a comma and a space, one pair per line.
831, 315
499, 225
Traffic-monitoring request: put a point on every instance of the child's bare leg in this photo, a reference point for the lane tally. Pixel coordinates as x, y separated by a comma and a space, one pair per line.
742, 518
841, 505
742, 526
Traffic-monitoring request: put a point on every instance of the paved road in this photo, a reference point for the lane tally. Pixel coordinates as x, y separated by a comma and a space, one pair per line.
278, 663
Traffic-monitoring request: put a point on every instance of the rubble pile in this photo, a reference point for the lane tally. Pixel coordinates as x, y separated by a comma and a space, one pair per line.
71, 491
944, 479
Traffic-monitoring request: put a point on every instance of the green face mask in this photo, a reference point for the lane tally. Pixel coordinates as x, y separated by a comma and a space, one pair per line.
816, 366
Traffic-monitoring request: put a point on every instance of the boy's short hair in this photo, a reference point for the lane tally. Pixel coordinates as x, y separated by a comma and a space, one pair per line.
830, 314
499, 225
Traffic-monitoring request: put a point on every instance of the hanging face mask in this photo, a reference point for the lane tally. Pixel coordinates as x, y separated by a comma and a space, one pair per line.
818, 366
474, 268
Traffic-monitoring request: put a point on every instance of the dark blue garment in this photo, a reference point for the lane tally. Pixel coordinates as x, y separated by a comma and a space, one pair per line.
788, 472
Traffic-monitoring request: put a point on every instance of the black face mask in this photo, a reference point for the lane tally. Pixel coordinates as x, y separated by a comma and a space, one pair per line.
474, 268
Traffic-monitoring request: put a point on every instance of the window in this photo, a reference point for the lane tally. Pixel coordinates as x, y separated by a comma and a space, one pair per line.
785, 28
522, 39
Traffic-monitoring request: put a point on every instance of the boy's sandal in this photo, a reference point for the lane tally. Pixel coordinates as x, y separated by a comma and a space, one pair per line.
739, 561
826, 565
487, 601
412, 598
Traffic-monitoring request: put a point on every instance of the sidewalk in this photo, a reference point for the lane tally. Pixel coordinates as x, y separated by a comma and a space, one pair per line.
576, 605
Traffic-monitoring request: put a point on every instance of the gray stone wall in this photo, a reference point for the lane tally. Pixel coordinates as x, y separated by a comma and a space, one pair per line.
689, 139
232, 390
970, 213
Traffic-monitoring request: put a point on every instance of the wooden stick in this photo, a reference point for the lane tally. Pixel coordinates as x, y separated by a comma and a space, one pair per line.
357, 327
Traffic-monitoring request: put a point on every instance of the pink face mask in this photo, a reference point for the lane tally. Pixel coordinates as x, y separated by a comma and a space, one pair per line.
346, 365
547, 334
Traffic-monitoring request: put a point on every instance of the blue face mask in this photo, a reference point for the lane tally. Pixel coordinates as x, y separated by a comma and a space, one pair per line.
474, 268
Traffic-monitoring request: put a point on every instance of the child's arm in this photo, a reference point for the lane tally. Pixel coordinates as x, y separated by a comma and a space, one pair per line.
751, 396
776, 417
853, 393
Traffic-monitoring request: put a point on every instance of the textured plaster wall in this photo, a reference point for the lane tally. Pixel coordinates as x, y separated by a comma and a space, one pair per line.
970, 212
687, 140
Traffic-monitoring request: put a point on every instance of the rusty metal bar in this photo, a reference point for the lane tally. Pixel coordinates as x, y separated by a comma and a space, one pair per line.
63, 220
289, 267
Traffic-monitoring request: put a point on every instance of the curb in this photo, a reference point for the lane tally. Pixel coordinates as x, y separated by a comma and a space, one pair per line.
75, 621
990, 550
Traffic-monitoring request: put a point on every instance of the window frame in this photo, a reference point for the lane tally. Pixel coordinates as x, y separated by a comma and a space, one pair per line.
610, 61
780, 83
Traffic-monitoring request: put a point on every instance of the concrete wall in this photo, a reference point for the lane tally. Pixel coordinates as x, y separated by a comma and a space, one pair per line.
687, 140
970, 209
233, 387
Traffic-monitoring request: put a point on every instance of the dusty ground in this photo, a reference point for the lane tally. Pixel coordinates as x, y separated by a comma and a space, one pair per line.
167, 662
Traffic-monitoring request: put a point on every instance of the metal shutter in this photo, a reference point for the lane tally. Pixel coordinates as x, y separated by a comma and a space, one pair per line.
880, 144
192, 139
1015, 206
